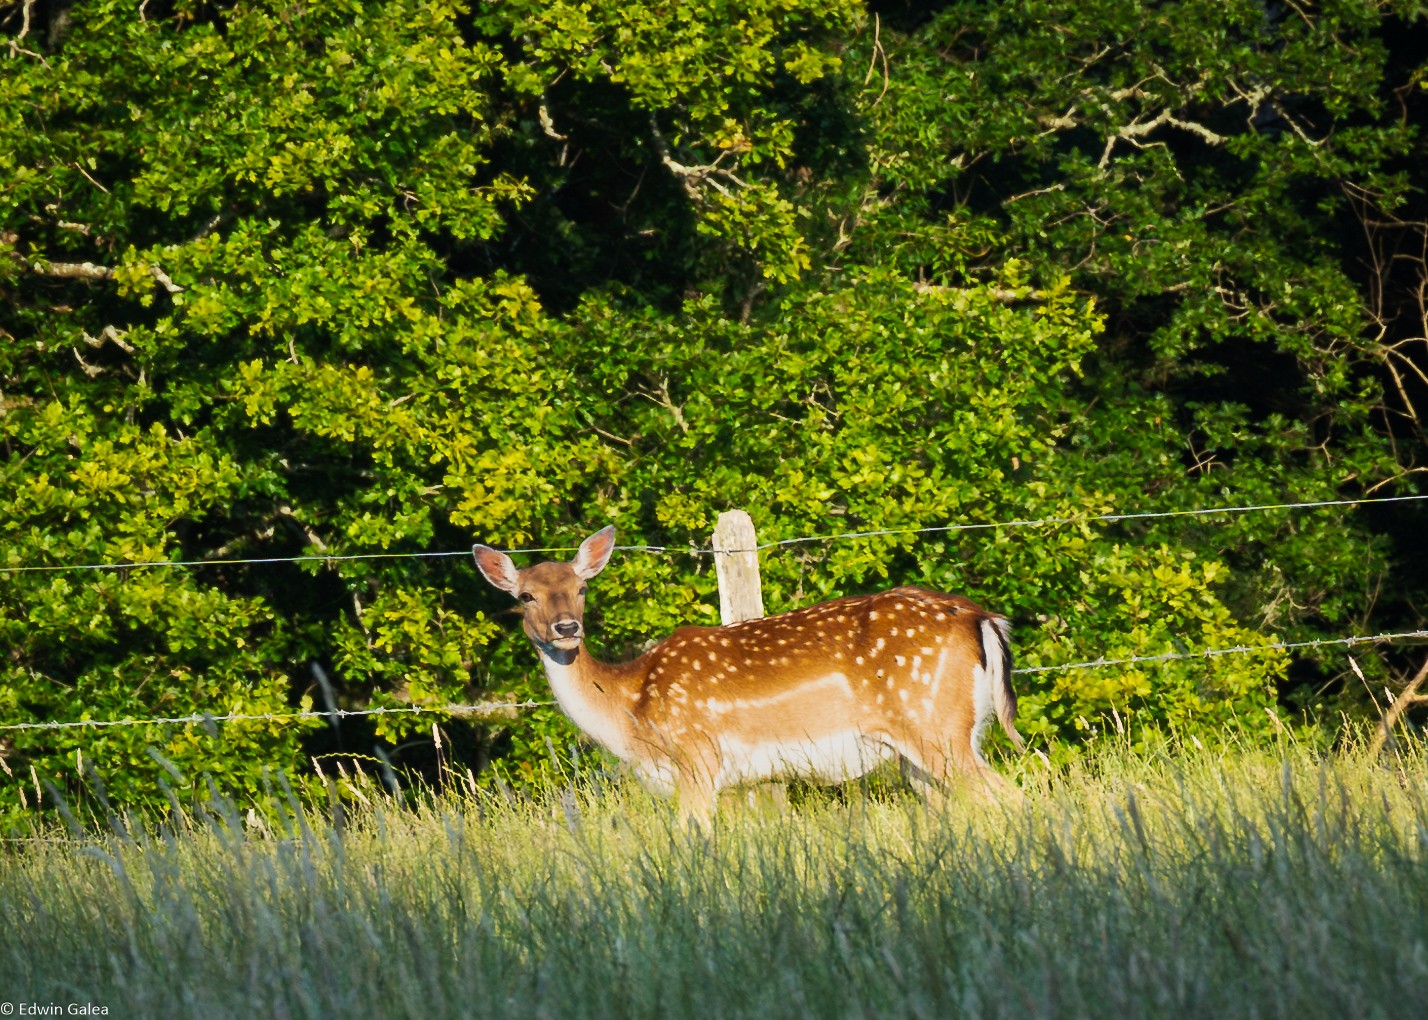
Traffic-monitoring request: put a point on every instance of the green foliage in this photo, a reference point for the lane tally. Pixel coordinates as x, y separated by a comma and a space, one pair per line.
1226, 180
360, 278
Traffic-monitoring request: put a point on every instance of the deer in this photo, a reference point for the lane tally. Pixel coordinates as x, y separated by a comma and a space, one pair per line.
824, 693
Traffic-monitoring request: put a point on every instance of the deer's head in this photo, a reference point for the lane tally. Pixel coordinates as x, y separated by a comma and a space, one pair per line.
551, 594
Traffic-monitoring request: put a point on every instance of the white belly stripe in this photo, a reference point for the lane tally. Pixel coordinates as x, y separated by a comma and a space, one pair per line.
834, 758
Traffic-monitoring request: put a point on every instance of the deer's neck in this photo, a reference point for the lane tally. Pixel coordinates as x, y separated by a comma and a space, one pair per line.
598, 697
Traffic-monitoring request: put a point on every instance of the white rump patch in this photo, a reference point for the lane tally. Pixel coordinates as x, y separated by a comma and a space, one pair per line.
984, 684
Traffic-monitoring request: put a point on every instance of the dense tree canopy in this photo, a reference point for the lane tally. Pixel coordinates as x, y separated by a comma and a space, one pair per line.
353, 278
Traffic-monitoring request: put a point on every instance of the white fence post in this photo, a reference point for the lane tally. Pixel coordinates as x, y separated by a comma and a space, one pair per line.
736, 561
741, 597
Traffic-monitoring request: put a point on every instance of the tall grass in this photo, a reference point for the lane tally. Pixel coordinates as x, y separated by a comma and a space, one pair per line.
1263, 885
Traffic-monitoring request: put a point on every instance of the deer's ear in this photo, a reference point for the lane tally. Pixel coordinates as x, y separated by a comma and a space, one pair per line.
497, 567
594, 553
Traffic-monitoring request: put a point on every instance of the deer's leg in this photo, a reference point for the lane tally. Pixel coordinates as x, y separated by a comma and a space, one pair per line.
942, 770
695, 791
696, 770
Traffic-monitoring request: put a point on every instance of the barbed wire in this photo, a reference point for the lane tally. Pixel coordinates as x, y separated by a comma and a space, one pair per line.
1112, 517
497, 708
697, 551
490, 708
500, 708
1208, 653
235, 562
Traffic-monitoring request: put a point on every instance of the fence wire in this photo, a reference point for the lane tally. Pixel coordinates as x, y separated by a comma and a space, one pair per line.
488, 709
485, 709
1209, 653
698, 551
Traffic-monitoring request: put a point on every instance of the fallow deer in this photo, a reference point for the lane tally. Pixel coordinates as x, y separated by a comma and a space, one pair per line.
825, 693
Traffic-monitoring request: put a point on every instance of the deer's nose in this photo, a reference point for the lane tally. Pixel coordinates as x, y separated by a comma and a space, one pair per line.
566, 628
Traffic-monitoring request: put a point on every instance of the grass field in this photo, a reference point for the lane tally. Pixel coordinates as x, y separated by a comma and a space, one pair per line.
1279, 884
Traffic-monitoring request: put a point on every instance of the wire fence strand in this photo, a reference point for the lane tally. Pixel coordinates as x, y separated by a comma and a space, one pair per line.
496, 708
1090, 519
489, 709
485, 709
691, 550
1209, 653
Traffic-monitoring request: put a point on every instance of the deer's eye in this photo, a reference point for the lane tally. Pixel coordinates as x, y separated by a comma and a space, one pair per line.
527, 598
583, 588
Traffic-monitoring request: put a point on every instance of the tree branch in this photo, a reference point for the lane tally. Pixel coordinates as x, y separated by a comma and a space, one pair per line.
165, 280
108, 335
26, 12
693, 176
1406, 699
1138, 128
547, 124
879, 57
89, 271
1000, 294
71, 270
